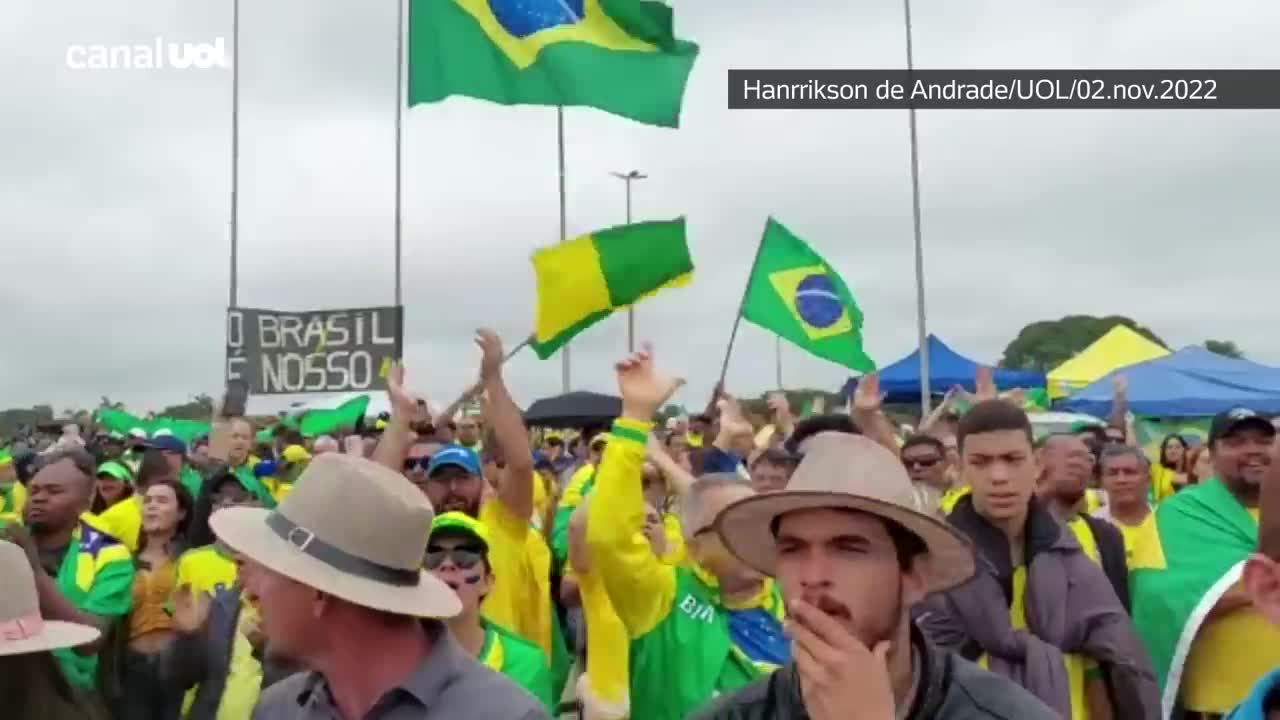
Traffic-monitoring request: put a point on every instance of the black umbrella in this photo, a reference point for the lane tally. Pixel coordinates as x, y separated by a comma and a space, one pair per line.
575, 409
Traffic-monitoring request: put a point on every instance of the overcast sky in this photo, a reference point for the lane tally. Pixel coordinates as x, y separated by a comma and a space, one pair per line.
114, 191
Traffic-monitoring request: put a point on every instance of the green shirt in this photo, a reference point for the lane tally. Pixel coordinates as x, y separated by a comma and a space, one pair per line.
520, 660
96, 576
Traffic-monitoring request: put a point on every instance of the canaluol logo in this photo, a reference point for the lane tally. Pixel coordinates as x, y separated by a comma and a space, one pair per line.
160, 54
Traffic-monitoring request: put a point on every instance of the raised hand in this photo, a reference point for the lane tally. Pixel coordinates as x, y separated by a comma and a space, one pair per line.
1120, 384
732, 421
491, 354
984, 381
404, 406
643, 387
866, 397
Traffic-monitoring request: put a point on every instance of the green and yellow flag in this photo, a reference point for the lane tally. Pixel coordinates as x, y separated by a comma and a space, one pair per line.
583, 281
1179, 573
794, 292
620, 56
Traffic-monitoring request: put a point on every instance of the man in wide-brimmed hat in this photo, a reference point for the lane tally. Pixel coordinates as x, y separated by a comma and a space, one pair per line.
336, 573
26, 641
853, 551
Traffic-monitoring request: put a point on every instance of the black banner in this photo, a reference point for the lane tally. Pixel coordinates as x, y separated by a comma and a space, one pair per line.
313, 351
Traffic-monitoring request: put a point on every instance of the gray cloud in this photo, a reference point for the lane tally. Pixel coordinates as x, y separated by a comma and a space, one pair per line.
114, 191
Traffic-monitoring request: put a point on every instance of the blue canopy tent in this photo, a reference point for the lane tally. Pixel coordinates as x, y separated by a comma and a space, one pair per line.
947, 368
1192, 382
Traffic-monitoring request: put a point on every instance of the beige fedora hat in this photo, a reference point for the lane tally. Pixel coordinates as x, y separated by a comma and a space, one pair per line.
844, 471
351, 528
22, 629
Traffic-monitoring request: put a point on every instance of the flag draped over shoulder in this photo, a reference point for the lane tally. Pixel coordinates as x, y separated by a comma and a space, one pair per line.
583, 281
620, 56
794, 293
1203, 535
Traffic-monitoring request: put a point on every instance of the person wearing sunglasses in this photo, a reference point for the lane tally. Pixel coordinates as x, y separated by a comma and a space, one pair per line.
925, 458
458, 555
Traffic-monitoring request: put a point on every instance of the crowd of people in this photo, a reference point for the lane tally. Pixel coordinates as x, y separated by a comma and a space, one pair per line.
466, 567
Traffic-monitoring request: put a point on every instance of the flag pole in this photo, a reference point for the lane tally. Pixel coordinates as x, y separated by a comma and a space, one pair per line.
737, 320
399, 141
234, 289
564, 352
778, 358
925, 398
627, 177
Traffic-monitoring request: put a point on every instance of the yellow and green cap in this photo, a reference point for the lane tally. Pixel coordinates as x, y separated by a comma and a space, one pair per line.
458, 522
116, 470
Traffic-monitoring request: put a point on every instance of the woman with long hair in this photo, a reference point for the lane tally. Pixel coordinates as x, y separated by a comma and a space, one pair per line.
115, 483
1170, 474
1199, 464
167, 510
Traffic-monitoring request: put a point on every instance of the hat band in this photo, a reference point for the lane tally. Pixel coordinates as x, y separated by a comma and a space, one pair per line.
306, 541
23, 628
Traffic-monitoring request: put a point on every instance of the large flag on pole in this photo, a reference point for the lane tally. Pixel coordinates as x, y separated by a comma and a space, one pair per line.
796, 294
583, 281
620, 56
1179, 573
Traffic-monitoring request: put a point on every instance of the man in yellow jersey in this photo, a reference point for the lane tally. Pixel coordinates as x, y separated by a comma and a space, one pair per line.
1039, 611
458, 554
12, 493
1126, 475
1066, 466
1209, 644
520, 599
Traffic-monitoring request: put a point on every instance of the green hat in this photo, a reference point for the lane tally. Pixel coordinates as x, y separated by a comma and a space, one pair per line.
462, 523
116, 470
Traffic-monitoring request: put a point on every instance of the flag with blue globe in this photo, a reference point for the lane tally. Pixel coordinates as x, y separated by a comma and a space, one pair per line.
795, 293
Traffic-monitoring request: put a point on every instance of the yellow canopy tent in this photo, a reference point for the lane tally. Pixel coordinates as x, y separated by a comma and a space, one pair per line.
1121, 346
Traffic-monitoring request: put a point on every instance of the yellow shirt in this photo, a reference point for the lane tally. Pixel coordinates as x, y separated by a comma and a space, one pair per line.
521, 597
1136, 535
1162, 487
206, 570
123, 521
17, 494
952, 496
1076, 665
1228, 657
608, 683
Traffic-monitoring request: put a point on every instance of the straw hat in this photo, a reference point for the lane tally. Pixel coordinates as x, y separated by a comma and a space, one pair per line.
22, 629
351, 528
843, 471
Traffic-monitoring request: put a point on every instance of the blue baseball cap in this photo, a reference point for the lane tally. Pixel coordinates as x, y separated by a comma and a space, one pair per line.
166, 443
456, 455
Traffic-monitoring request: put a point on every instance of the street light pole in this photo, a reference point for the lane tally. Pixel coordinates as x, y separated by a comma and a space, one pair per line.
631, 311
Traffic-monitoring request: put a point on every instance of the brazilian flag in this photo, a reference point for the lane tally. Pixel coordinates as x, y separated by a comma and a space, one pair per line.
794, 293
620, 56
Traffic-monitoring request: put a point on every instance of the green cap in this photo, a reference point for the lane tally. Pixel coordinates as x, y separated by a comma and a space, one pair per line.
116, 470
461, 523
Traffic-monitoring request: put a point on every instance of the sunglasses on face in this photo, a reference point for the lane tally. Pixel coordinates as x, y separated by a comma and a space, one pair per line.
464, 558
920, 462
411, 464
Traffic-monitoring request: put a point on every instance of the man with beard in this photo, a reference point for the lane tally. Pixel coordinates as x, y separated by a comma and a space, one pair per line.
1208, 643
716, 620
1262, 581
1066, 466
458, 554
82, 575
1039, 611
853, 552
520, 599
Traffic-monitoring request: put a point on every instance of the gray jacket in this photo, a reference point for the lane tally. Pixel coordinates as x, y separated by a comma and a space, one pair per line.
949, 688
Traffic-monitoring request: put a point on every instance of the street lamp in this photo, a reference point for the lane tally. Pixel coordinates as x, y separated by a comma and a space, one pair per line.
627, 178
